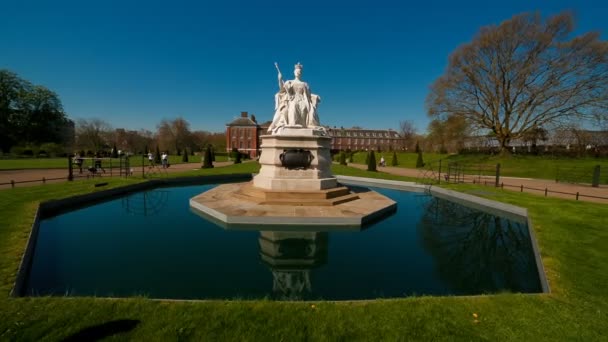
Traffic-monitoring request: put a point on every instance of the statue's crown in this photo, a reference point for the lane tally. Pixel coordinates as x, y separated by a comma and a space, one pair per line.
299, 66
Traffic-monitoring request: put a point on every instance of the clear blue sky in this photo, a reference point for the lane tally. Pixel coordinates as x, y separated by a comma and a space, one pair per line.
135, 63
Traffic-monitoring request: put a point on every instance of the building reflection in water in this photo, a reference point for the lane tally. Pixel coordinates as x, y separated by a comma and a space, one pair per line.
291, 256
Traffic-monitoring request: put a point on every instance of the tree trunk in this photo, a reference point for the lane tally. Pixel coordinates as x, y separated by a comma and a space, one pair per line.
503, 145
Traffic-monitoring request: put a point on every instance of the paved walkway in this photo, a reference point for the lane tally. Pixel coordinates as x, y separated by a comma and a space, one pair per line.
561, 190
34, 176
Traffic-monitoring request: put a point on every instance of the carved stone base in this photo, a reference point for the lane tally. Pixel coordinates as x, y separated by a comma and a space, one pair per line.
276, 175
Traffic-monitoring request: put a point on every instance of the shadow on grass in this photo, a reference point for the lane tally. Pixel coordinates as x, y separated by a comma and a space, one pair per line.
101, 331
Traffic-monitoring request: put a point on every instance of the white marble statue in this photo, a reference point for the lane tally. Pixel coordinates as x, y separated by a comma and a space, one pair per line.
295, 106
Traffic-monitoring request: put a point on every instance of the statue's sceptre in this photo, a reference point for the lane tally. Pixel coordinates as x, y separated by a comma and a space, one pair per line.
276, 65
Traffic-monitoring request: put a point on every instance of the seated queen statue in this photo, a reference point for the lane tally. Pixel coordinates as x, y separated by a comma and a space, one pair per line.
295, 106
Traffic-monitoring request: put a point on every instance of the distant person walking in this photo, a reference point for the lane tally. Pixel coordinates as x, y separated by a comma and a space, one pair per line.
150, 159
382, 161
164, 160
78, 160
97, 163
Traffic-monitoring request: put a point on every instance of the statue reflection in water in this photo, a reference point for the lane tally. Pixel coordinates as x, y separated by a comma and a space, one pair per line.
291, 256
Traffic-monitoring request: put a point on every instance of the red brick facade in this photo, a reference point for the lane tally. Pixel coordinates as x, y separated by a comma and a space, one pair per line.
244, 133
364, 139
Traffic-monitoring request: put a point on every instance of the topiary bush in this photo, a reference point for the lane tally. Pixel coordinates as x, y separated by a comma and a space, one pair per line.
237, 156
394, 161
371, 165
185, 156
114, 152
342, 158
207, 159
419, 161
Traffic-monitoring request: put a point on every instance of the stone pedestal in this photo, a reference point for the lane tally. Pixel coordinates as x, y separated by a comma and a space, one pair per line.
274, 175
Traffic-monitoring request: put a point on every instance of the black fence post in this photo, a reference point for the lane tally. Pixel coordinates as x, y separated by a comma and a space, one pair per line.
70, 168
596, 177
497, 183
439, 177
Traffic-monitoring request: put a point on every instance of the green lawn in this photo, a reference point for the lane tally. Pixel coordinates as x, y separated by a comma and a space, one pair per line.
572, 237
578, 170
62, 163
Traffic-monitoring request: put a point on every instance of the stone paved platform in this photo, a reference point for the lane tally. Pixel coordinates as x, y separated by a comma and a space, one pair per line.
226, 204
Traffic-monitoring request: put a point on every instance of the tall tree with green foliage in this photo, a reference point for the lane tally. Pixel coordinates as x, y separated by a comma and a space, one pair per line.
30, 114
394, 161
371, 165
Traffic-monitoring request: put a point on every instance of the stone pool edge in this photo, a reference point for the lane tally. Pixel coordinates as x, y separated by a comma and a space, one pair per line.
53, 207
50, 207
502, 209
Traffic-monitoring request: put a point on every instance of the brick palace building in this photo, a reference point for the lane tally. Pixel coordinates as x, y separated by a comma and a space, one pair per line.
243, 133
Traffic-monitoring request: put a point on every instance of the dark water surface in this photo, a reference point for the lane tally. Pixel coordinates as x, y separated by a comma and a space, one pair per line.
152, 244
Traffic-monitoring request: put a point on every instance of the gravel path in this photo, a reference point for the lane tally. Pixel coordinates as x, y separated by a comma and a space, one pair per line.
34, 176
561, 190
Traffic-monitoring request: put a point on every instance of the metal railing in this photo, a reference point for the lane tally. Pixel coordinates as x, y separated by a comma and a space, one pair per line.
489, 175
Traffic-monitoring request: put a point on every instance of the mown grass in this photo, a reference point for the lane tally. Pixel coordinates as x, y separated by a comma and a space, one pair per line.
528, 166
572, 237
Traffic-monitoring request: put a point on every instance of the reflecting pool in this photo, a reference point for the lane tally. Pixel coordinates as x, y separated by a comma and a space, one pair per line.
151, 244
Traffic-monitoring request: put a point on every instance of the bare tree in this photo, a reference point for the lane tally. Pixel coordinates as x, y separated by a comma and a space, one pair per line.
174, 134
201, 139
407, 130
447, 135
523, 74
92, 134
133, 141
